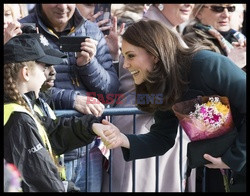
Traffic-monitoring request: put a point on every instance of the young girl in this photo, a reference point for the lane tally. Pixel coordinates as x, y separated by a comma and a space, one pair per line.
26, 143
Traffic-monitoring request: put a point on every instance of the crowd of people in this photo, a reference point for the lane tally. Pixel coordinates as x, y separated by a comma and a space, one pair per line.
178, 51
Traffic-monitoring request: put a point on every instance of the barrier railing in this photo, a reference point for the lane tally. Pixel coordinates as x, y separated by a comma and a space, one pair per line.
107, 112
114, 112
124, 111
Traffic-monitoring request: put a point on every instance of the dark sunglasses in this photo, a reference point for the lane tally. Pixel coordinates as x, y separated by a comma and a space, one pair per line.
220, 9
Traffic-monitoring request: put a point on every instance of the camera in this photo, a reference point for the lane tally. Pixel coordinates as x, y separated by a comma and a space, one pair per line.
71, 43
28, 28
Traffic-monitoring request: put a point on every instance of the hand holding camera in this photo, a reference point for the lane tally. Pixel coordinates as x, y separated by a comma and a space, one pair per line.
84, 47
88, 51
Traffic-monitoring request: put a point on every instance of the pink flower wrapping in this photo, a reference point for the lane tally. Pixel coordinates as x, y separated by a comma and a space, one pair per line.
204, 117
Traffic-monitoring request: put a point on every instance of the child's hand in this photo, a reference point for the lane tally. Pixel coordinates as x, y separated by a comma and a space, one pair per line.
110, 135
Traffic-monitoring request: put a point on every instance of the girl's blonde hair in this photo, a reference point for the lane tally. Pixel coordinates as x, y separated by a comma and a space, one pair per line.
11, 91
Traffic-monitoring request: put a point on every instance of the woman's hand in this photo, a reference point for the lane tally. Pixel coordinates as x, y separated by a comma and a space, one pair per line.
110, 135
216, 163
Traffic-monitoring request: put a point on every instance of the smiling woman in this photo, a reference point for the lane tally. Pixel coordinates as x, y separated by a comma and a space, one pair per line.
177, 13
212, 30
180, 74
138, 61
171, 16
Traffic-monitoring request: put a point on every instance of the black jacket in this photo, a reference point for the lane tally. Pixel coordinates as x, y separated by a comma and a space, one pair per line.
24, 147
67, 133
210, 74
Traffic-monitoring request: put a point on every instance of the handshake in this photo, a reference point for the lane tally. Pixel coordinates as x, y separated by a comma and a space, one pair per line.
110, 135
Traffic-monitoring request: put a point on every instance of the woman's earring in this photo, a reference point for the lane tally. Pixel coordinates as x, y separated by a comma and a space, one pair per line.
160, 7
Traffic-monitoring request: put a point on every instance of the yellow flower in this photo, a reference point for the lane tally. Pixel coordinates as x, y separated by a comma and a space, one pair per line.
223, 109
209, 103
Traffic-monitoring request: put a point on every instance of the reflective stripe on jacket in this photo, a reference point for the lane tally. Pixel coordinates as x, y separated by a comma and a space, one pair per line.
25, 148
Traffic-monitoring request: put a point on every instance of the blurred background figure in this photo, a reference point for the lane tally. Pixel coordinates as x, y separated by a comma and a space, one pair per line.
15, 11
87, 10
212, 30
30, 7
238, 18
12, 179
172, 15
12, 13
127, 13
112, 39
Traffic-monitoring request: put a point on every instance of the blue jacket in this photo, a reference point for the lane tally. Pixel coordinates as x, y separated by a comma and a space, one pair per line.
98, 76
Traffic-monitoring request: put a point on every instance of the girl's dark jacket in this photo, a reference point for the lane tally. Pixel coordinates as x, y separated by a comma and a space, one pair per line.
39, 173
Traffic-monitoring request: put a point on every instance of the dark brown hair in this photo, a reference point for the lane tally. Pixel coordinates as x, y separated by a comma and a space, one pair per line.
169, 76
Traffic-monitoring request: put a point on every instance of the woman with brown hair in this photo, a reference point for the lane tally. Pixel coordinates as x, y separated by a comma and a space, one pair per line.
160, 65
171, 15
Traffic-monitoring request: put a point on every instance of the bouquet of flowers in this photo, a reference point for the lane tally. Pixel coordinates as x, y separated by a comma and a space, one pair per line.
204, 117
208, 123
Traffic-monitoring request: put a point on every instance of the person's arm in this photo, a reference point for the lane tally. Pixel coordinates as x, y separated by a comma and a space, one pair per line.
24, 144
222, 76
157, 142
72, 99
112, 40
111, 136
99, 75
68, 133
63, 98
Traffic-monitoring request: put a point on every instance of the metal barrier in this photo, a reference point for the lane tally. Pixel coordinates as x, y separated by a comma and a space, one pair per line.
122, 111
114, 112
107, 112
